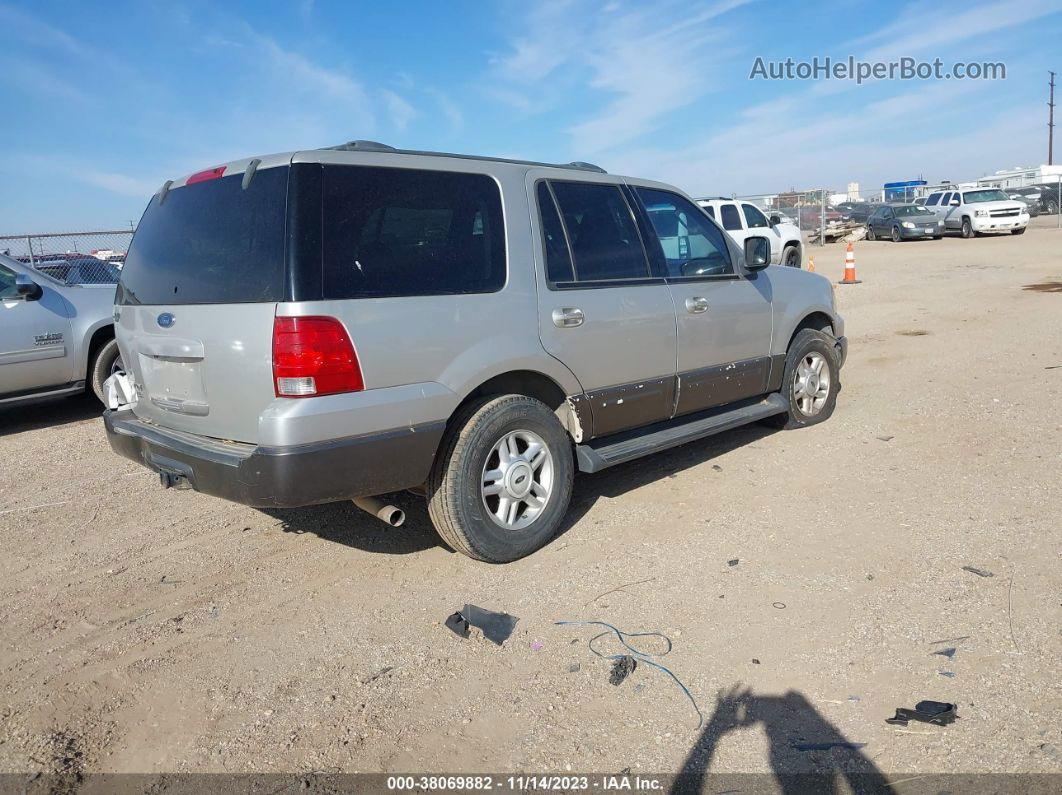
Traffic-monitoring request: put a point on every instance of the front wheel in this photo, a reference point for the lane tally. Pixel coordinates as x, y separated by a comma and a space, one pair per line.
501, 484
896, 236
107, 362
810, 381
967, 228
791, 257
1018, 231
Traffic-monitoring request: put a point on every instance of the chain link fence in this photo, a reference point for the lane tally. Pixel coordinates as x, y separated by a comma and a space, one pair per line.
810, 210
72, 257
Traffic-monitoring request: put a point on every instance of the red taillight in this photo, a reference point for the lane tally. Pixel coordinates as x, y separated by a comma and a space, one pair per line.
203, 176
313, 356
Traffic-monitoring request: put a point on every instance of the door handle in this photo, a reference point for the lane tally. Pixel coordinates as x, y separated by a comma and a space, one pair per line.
695, 305
568, 317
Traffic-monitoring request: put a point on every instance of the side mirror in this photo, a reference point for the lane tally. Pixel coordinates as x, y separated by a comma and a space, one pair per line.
27, 288
955, 202
757, 253
775, 220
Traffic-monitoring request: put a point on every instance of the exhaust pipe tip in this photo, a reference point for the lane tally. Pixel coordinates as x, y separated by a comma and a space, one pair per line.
389, 514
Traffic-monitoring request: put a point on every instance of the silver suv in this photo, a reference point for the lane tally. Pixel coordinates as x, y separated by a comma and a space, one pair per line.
56, 330
347, 322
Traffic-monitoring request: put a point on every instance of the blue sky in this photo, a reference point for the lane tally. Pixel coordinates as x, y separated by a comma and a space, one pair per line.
105, 101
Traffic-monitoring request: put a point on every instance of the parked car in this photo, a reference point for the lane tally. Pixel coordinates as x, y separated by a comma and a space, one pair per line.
973, 211
86, 270
1032, 203
742, 219
857, 211
811, 217
1045, 197
348, 322
57, 335
903, 222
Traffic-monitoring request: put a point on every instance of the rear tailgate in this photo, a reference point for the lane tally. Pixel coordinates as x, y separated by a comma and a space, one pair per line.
197, 298
209, 373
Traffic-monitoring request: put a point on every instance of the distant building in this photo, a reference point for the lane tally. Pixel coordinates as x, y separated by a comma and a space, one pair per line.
1018, 177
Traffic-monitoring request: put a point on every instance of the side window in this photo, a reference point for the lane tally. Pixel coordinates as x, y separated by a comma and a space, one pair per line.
933, 199
886, 213
753, 217
604, 239
945, 200
729, 214
710, 210
558, 258
693, 245
404, 232
7, 283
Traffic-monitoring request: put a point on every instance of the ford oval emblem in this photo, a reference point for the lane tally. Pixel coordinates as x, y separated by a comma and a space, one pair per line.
165, 320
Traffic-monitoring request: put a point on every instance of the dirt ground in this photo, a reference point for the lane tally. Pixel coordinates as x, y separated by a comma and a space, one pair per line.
148, 630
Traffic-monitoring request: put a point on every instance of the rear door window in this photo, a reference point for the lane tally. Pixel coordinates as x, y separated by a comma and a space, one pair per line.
558, 258
604, 238
933, 199
211, 242
729, 215
405, 232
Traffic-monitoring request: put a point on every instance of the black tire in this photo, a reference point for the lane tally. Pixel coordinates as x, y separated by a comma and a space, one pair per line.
791, 256
870, 232
967, 228
1052, 207
1018, 231
896, 236
456, 503
805, 343
937, 237
108, 360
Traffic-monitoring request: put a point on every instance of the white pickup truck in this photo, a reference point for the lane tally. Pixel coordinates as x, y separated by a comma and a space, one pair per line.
977, 210
742, 219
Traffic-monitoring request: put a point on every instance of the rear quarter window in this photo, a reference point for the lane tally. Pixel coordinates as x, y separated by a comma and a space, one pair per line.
407, 232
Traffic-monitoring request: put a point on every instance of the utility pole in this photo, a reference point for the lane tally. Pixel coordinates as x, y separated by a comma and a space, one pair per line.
1051, 122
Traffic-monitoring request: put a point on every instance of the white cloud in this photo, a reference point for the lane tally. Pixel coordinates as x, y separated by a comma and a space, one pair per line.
645, 69
402, 113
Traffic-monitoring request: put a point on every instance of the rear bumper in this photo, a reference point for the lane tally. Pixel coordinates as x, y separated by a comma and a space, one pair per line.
279, 477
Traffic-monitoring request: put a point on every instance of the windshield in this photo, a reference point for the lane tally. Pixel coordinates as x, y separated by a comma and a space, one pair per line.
912, 209
992, 195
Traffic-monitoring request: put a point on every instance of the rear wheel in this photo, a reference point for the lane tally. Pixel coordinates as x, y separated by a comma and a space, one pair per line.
502, 481
108, 360
870, 232
810, 381
1052, 207
1018, 231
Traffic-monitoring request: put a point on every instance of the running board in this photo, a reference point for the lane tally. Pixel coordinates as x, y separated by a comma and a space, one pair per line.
608, 451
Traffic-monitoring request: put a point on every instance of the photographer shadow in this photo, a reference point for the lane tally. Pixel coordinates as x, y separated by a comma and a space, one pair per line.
807, 752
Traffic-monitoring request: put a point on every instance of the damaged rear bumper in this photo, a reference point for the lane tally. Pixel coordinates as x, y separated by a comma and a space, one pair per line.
278, 477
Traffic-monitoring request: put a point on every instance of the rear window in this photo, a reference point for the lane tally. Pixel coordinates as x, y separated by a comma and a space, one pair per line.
405, 232
211, 242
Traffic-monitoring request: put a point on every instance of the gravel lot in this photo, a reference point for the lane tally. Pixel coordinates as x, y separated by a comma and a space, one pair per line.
148, 630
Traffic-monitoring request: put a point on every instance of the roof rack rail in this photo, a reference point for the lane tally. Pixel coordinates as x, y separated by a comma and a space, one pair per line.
374, 146
363, 146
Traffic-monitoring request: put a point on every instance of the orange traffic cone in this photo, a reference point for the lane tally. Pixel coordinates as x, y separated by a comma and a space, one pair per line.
811, 264
849, 267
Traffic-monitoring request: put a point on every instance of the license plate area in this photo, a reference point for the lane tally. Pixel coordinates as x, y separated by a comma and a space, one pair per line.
174, 384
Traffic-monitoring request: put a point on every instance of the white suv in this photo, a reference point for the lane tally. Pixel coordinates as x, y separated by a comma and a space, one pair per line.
742, 219
977, 210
